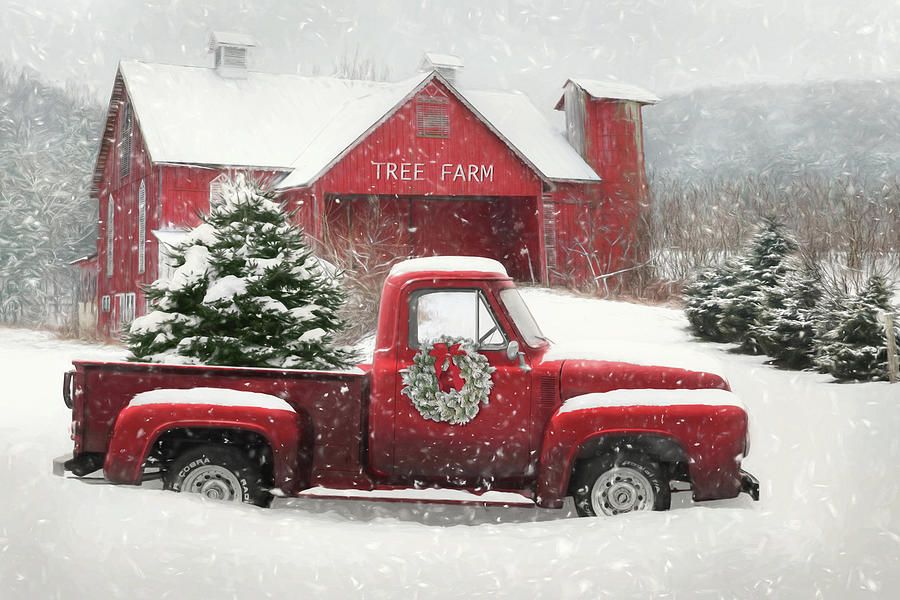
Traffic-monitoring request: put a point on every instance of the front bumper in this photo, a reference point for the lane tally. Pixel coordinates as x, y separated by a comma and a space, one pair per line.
749, 485
84, 464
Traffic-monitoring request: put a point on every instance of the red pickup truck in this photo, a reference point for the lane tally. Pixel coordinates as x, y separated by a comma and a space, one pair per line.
464, 392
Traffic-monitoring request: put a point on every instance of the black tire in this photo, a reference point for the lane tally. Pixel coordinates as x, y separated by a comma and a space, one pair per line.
226, 473
621, 471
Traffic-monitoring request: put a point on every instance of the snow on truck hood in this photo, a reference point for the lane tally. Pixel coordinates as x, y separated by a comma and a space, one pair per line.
648, 355
211, 396
652, 397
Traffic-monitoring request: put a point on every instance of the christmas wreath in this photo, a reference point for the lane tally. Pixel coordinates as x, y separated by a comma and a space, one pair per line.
448, 380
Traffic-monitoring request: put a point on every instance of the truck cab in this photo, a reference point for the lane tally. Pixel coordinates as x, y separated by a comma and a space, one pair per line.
463, 392
430, 299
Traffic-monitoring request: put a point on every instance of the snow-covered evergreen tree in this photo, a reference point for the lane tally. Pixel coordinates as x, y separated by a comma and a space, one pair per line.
851, 341
756, 278
246, 291
703, 299
785, 329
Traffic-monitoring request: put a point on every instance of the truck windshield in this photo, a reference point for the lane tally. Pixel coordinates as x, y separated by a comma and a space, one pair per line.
522, 317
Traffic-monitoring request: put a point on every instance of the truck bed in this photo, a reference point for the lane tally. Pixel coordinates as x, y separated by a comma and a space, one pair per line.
331, 408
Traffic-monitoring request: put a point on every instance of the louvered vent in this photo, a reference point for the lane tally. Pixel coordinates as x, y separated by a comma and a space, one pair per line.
232, 57
125, 142
549, 394
550, 239
110, 234
215, 190
142, 227
433, 117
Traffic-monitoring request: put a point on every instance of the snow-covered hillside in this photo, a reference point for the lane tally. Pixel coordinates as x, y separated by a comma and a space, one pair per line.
828, 524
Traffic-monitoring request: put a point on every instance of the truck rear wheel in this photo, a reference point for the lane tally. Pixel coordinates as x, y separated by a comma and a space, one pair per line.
219, 473
619, 483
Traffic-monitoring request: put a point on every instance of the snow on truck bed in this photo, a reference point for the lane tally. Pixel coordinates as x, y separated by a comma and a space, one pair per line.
827, 526
212, 396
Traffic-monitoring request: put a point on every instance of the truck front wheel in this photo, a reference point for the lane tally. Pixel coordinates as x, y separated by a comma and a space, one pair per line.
219, 473
618, 483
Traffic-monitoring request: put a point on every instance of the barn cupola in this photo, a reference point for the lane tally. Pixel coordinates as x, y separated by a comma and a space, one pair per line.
230, 53
604, 125
447, 65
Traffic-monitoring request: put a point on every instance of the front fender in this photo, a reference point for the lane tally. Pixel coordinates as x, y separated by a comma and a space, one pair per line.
709, 439
138, 428
566, 436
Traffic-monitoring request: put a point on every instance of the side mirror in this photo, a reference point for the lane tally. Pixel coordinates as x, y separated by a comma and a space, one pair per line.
512, 350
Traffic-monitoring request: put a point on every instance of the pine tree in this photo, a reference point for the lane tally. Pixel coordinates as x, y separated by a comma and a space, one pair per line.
246, 291
703, 300
852, 342
786, 328
756, 278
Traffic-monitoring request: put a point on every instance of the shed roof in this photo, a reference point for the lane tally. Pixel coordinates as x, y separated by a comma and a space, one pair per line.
611, 90
442, 60
231, 38
191, 115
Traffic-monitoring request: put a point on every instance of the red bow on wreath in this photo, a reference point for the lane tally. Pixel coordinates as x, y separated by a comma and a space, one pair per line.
445, 370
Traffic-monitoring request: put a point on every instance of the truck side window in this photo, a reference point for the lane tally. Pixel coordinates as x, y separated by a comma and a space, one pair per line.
456, 313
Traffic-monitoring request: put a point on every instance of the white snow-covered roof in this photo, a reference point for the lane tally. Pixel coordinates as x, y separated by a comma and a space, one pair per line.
442, 60
477, 264
616, 90
230, 38
191, 115
520, 122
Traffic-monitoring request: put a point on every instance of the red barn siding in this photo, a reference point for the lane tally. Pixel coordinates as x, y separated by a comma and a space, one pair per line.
470, 143
124, 277
437, 212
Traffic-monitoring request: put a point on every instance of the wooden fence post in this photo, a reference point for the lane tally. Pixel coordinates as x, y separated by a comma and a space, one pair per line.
891, 346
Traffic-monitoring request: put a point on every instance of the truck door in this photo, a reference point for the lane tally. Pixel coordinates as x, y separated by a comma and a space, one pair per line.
494, 443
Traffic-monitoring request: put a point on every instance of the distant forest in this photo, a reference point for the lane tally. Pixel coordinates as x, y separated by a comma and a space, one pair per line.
48, 141
823, 156
831, 129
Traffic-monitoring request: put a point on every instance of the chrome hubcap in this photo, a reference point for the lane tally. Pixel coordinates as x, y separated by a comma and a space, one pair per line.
214, 482
621, 490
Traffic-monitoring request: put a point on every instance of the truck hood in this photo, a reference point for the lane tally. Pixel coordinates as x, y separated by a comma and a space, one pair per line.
579, 377
589, 369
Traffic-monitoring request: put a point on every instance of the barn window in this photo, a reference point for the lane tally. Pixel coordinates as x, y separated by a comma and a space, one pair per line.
110, 233
215, 190
126, 304
142, 227
125, 141
433, 117
104, 303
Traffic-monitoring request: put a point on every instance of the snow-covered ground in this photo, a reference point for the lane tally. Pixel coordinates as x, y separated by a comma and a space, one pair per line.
828, 524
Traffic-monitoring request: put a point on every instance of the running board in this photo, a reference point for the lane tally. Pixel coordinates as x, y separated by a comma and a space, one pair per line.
427, 495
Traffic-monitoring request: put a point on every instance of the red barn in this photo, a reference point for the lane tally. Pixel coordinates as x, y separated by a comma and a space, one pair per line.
441, 168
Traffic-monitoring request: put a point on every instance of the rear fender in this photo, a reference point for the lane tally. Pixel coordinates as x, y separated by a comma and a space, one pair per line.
138, 428
578, 435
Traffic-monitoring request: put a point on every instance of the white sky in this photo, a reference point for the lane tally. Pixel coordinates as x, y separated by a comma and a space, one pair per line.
532, 45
